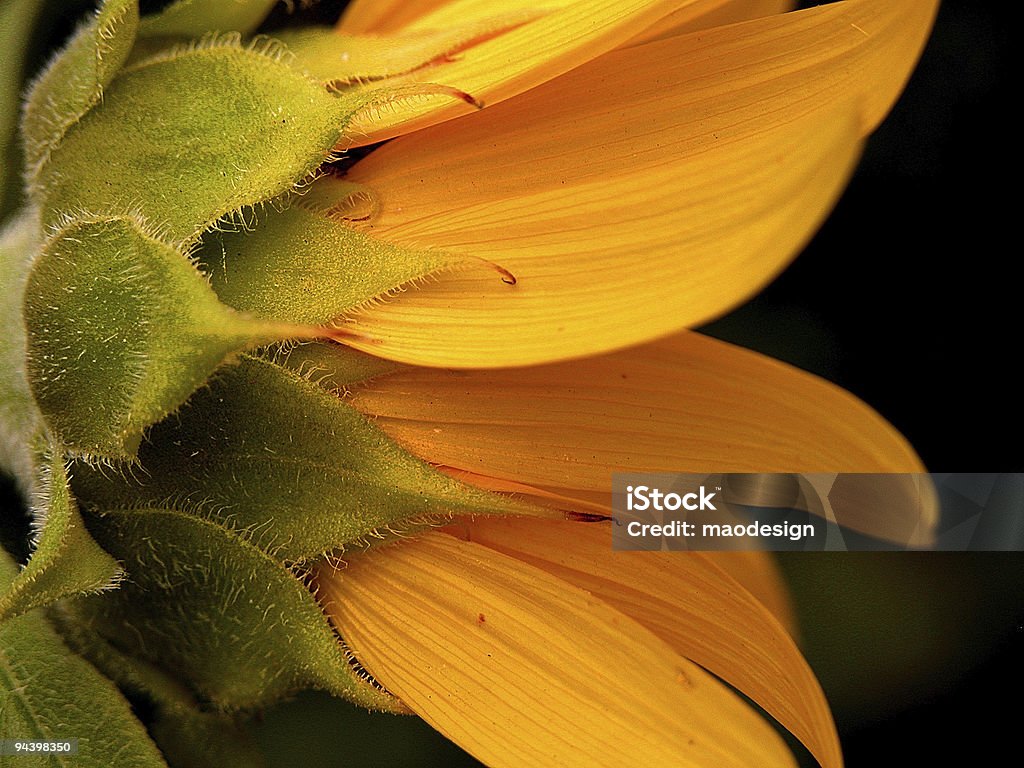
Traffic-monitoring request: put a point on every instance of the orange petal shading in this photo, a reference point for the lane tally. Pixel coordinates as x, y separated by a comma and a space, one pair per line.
648, 191
688, 601
521, 668
686, 404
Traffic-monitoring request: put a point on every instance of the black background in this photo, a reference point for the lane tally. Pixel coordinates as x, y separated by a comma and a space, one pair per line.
910, 297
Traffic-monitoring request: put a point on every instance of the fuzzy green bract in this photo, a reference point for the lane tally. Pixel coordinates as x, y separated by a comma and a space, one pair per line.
121, 330
302, 266
208, 604
66, 561
189, 733
194, 135
266, 449
48, 693
75, 80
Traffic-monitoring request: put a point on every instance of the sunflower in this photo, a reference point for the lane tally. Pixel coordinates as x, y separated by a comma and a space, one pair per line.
484, 314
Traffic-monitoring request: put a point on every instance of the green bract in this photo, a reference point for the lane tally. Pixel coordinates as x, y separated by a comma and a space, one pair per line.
328, 268
325, 474
48, 693
75, 80
121, 330
186, 447
66, 560
209, 604
195, 134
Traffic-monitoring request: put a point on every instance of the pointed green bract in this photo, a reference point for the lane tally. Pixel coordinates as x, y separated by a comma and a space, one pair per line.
75, 80
332, 367
121, 330
194, 135
66, 561
47, 693
191, 18
264, 449
185, 732
207, 604
302, 266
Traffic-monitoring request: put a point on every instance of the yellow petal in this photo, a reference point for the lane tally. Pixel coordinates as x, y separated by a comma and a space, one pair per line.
384, 16
688, 403
431, 14
523, 669
758, 572
608, 261
647, 191
688, 601
712, 13
377, 16
389, 16
493, 70
340, 60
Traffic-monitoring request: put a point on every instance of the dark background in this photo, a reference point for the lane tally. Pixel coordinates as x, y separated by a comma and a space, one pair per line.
908, 298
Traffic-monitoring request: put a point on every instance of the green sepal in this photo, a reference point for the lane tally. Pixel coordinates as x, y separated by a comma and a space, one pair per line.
194, 135
266, 449
122, 328
187, 735
192, 18
48, 693
20, 420
74, 81
332, 367
66, 561
303, 266
207, 604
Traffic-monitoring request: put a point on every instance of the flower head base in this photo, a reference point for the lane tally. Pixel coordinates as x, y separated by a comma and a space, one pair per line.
240, 370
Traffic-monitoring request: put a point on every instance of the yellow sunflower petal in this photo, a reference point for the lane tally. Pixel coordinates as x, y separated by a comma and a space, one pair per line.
383, 16
379, 16
442, 15
567, 35
605, 261
521, 668
647, 191
688, 403
712, 13
759, 573
688, 601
